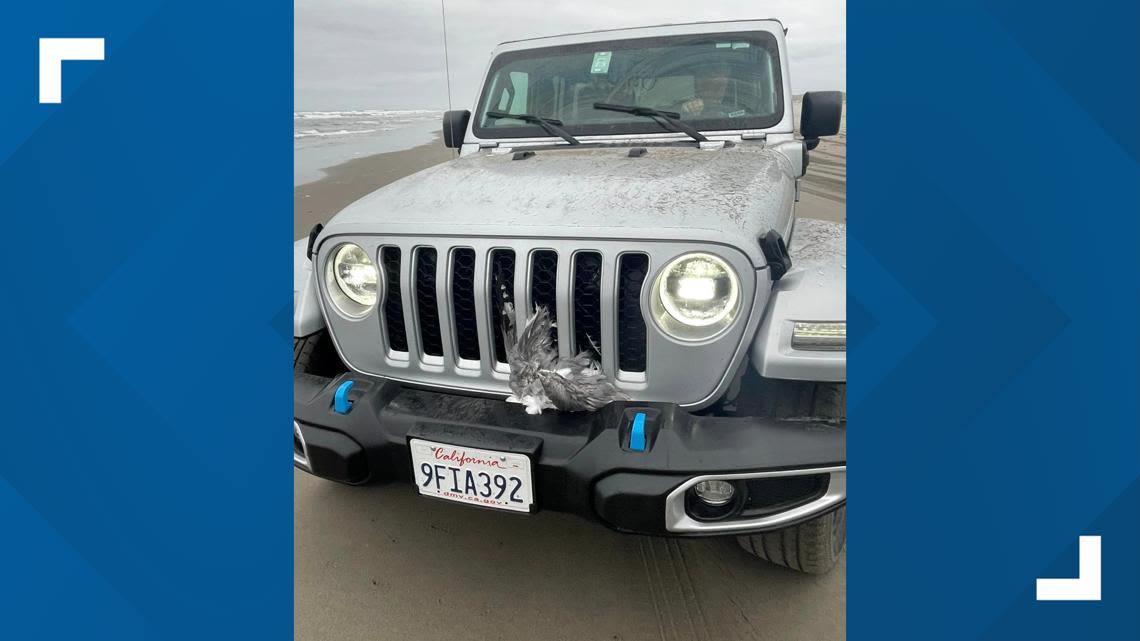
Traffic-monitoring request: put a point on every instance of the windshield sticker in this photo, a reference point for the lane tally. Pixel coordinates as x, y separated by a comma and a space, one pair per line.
601, 62
740, 45
724, 45
737, 114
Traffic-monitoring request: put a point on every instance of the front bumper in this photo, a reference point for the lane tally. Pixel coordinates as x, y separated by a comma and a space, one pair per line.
790, 471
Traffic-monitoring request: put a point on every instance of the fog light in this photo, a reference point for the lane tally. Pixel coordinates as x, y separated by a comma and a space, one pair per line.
714, 493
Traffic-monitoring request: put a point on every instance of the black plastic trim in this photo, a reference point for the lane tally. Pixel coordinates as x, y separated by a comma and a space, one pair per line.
313, 233
581, 465
776, 253
334, 455
820, 115
455, 127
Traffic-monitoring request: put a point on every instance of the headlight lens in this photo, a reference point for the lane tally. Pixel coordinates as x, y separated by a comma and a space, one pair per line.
696, 296
824, 336
352, 280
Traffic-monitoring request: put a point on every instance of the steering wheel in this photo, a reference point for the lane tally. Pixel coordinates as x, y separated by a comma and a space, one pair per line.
714, 109
624, 85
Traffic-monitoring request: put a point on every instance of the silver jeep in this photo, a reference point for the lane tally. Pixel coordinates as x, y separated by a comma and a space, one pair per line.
641, 186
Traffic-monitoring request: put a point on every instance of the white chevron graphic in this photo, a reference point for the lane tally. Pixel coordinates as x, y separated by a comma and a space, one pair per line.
53, 51
1086, 587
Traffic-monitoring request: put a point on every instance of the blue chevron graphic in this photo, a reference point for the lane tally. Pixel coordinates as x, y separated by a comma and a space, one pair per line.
888, 324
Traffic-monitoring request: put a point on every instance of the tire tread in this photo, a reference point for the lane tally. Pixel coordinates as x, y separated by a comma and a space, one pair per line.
812, 547
315, 354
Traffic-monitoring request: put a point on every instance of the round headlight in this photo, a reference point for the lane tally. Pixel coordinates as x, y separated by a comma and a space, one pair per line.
696, 296
352, 279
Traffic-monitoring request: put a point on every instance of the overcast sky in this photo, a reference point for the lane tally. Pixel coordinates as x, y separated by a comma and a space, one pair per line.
388, 54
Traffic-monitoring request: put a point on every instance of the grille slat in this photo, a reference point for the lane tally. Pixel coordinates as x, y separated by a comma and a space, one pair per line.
463, 303
459, 295
485, 335
632, 269
565, 326
522, 293
502, 292
587, 299
609, 313
393, 300
430, 336
446, 308
408, 298
544, 286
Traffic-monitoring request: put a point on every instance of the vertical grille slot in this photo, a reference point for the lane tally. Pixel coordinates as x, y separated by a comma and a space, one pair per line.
544, 286
587, 300
463, 302
502, 292
631, 325
427, 307
393, 302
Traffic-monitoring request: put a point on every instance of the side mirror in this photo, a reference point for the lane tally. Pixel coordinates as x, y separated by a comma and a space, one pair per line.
820, 115
454, 127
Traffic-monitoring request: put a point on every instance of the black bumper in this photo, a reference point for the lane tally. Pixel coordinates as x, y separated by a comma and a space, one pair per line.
582, 461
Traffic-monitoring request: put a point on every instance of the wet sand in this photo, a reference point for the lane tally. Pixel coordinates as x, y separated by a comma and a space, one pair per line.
318, 201
380, 562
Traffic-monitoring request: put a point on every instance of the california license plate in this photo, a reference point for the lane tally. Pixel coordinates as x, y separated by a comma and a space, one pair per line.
500, 480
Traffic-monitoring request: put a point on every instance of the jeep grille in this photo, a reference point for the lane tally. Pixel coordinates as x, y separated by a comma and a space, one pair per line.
584, 292
440, 316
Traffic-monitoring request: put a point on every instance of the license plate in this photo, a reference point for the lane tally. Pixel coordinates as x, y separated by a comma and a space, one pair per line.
500, 480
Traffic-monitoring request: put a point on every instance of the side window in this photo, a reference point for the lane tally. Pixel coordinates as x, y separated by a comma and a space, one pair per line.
512, 98
767, 89
520, 80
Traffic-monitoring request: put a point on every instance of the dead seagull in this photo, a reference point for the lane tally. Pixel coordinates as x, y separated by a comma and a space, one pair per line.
541, 380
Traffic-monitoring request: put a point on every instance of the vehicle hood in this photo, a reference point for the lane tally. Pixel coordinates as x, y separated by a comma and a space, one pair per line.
731, 196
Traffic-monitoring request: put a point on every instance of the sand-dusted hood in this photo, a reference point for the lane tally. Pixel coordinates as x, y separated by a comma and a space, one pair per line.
731, 195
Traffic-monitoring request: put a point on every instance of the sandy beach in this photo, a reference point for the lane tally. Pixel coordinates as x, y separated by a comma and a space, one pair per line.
318, 201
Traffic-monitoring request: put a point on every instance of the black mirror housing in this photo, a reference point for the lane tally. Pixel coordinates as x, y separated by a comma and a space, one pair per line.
820, 115
455, 127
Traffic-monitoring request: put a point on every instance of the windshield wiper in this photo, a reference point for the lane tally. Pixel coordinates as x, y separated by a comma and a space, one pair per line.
550, 125
667, 119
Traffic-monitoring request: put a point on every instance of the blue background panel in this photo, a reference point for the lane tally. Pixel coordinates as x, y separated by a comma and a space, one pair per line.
145, 482
994, 284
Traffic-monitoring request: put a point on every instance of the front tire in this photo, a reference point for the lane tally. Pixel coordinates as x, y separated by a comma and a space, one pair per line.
787, 399
812, 546
316, 354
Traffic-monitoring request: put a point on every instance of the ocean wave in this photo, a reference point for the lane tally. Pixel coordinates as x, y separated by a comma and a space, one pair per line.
308, 133
333, 115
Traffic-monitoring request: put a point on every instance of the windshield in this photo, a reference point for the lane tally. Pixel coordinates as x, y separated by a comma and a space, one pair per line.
712, 81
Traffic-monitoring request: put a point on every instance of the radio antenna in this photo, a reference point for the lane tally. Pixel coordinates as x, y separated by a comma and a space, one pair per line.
447, 66
446, 62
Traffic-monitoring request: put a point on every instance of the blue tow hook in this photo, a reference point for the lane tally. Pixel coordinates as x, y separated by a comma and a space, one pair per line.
341, 404
637, 433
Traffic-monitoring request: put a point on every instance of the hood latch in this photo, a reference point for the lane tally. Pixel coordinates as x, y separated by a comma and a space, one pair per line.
776, 252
